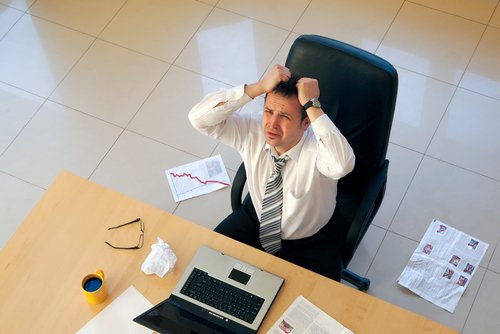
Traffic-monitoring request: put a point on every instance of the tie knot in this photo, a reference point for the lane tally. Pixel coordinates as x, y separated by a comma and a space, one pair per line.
279, 163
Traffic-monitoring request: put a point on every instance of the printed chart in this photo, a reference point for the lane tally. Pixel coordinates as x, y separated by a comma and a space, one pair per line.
197, 178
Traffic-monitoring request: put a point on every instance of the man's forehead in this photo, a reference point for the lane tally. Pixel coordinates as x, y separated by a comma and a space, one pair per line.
277, 102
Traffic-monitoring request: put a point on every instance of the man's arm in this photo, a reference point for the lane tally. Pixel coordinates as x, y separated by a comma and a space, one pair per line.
336, 157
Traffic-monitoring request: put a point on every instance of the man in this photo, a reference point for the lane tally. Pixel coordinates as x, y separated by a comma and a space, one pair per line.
294, 156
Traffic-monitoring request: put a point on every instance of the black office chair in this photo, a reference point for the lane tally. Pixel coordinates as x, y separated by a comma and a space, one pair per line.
358, 92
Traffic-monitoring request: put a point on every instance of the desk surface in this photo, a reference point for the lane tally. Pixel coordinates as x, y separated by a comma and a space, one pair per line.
62, 240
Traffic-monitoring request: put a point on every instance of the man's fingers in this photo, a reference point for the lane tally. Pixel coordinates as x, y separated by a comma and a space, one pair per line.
283, 73
307, 88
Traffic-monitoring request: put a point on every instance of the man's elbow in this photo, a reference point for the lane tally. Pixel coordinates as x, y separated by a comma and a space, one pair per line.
339, 170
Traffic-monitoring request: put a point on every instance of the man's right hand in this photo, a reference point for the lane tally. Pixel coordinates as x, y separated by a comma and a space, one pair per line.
269, 81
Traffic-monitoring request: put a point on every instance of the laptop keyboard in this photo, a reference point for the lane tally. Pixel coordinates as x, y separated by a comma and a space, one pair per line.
221, 295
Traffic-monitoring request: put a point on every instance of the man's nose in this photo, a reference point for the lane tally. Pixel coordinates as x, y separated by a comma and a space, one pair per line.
274, 121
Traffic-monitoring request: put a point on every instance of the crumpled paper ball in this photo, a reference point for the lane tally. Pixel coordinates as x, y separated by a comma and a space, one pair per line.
160, 261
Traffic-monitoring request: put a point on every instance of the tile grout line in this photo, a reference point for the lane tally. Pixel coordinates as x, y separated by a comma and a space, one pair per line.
389, 28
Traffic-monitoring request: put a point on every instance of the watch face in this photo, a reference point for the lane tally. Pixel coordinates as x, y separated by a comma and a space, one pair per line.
315, 103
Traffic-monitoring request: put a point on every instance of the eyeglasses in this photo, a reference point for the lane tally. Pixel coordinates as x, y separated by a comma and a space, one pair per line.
141, 237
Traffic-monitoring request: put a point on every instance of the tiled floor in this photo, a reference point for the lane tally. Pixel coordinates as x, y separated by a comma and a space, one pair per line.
103, 88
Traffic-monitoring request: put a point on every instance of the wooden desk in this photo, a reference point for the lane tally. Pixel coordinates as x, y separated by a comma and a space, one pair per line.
63, 237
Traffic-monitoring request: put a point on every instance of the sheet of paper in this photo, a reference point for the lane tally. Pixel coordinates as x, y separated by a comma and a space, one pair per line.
303, 317
443, 264
117, 316
197, 178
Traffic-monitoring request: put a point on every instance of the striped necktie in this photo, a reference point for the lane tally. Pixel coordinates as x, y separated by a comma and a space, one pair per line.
272, 205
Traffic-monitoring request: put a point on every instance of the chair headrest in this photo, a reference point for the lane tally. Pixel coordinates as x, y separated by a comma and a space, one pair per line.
358, 92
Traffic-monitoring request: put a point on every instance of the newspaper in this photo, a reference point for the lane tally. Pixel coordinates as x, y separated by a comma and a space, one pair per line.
197, 178
443, 264
303, 317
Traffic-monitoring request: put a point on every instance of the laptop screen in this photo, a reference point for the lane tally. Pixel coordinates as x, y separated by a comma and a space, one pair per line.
168, 318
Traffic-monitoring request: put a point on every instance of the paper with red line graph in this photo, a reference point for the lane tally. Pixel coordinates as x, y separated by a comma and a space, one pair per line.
197, 178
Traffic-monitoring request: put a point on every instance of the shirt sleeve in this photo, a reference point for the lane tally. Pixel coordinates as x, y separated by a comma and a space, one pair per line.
209, 117
335, 156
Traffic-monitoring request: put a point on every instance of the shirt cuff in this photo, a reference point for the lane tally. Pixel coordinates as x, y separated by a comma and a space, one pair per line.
237, 93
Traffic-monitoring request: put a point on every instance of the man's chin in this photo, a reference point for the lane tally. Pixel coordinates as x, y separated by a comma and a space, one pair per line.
272, 141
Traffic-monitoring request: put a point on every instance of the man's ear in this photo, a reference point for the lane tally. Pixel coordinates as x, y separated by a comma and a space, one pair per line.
305, 123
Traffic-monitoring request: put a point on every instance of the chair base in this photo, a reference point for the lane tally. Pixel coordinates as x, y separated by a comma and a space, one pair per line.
360, 282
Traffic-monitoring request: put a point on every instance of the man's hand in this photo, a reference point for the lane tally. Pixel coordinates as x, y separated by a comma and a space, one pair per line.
307, 89
269, 81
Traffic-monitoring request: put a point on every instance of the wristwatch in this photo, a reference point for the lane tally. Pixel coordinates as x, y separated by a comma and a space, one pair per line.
314, 102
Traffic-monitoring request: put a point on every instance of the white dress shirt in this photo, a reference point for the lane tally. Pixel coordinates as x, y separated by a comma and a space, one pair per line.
310, 176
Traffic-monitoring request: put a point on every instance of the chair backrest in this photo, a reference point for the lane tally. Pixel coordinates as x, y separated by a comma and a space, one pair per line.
358, 92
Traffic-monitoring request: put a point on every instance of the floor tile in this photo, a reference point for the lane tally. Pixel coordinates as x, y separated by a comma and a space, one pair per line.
483, 318
16, 110
8, 16
494, 264
36, 55
136, 167
281, 13
495, 19
479, 10
18, 4
232, 48
164, 116
110, 83
421, 103
431, 42
56, 139
232, 159
459, 198
87, 16
483, 73
468, 135
361, 23
17, 198
403, 164
385, 271
282, 54
170, 24
207, 210
367, 250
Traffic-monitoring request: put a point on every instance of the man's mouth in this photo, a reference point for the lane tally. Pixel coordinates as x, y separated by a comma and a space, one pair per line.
272, 135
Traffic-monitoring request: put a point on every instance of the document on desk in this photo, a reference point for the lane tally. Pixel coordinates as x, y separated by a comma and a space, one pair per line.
443, 264
303, 317
197, 178
117, 316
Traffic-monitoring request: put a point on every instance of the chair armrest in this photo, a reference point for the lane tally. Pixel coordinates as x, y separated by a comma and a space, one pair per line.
237, 188
367, 209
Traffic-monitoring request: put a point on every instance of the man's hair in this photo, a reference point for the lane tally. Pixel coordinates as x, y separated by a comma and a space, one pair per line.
289, 89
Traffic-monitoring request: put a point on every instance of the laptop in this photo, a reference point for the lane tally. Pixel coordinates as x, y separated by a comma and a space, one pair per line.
217, 294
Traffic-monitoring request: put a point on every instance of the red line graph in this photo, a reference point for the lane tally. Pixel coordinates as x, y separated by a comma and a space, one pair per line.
198, 179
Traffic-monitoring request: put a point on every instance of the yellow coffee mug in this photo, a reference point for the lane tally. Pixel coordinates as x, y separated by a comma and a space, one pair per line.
94, 287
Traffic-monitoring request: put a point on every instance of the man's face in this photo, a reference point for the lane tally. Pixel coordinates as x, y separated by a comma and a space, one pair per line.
282, 122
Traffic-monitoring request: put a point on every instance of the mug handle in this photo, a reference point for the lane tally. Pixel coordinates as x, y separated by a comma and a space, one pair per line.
100, 273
